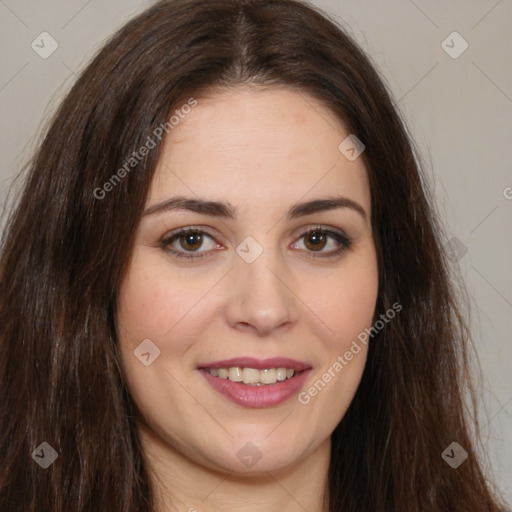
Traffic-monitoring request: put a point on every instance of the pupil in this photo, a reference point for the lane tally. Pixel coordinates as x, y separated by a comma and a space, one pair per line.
317, 238
191, 241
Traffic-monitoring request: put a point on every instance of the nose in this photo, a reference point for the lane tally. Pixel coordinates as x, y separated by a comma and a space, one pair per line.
262, 298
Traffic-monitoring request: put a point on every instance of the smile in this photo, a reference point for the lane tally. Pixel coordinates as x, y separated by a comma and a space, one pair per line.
253, 376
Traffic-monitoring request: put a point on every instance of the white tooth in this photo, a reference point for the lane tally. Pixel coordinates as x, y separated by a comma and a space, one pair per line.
235, 374
268, 376
250, 376
281, 374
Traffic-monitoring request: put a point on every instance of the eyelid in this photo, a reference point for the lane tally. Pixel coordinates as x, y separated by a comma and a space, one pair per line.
193, 229
168, 238
337, 234
323, 228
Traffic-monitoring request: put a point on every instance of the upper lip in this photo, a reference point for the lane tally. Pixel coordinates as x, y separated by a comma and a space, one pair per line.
258, 364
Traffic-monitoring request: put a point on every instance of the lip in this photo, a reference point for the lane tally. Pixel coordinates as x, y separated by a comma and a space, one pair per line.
268, 395
258, 364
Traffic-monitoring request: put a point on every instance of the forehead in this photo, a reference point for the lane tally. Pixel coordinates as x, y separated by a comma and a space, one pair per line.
269, 144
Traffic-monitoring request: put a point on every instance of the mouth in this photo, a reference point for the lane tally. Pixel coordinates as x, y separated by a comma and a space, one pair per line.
256, 383
253, 376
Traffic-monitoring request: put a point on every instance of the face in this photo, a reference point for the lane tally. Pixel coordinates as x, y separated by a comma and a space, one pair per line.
265, 271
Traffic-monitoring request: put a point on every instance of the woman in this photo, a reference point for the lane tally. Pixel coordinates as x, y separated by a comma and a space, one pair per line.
223, 286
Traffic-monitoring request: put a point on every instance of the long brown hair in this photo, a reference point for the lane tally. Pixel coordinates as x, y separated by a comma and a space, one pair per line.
65, 250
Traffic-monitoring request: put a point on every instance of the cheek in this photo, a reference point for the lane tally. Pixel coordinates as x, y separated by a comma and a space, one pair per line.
150, 304
146, 306
351, 308
347, 303
152, 307
345, 308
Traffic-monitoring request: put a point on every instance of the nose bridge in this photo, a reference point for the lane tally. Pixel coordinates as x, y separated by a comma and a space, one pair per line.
262, 297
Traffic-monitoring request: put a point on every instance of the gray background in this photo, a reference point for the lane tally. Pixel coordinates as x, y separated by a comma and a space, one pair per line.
458, 110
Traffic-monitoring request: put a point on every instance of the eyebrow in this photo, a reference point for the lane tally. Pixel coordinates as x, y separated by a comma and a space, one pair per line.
228, 211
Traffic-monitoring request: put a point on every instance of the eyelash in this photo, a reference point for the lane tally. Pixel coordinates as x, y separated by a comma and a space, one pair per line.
343, 240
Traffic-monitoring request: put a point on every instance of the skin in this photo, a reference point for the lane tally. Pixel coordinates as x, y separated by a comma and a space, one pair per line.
261, 151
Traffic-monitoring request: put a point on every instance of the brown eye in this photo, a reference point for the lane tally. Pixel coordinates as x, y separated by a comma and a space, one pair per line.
315, 240
191, 241
318, 239
188, 243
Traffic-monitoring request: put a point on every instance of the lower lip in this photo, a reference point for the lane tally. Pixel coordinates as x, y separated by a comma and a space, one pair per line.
266, 395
